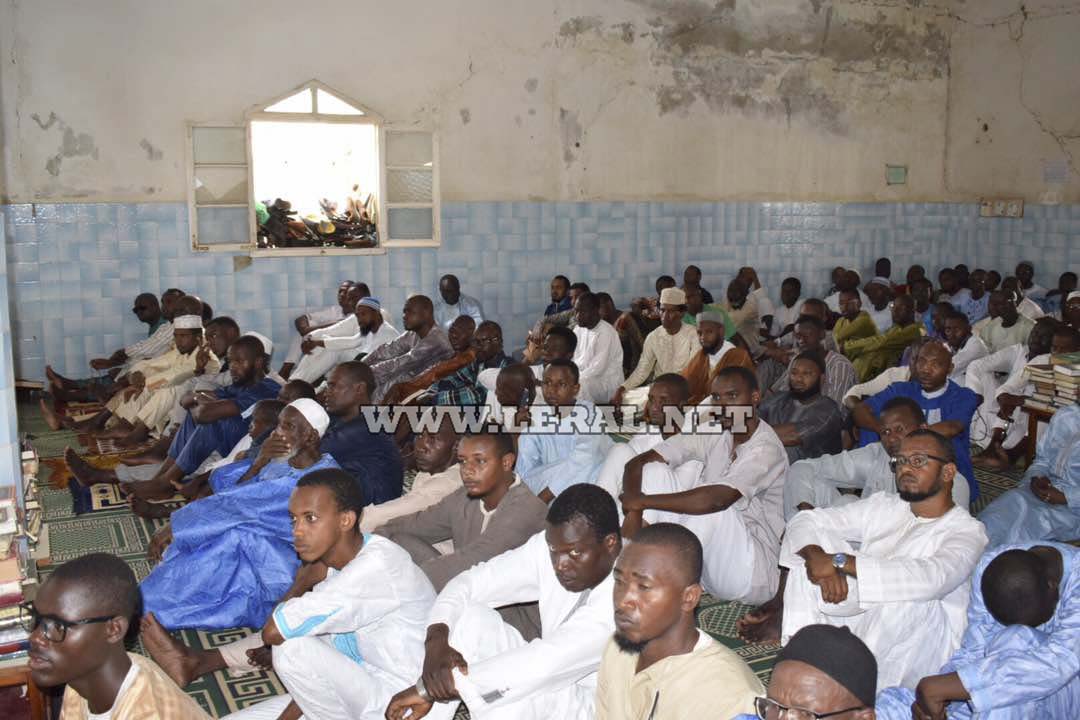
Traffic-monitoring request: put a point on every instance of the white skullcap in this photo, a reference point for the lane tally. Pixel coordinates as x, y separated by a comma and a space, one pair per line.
313, 412
672, 296
1073, 295
268, 347
187, 322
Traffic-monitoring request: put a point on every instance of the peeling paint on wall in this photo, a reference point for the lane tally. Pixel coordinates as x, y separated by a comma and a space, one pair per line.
570, 134
466, 115
72, 144
531, 84
152, 153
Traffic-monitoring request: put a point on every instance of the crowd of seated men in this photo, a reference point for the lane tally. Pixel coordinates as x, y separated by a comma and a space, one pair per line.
812, 457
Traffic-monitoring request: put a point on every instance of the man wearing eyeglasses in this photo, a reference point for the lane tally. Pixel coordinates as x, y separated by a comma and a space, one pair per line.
905, 591
823, 672
78, 622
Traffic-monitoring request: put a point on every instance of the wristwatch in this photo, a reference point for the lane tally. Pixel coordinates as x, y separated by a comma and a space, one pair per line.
839, 560
421, 690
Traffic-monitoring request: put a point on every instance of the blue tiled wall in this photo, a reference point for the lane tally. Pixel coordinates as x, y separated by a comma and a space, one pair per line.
74, 269
10, 465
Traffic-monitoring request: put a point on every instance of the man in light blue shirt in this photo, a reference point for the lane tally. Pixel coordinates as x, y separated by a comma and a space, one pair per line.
1046, 506
1018, 658
454, 303
564, 445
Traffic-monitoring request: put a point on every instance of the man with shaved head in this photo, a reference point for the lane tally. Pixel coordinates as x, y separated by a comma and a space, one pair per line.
948, 407
371, 457
79, 621
904, 591
599, 352
215, 423
1018, 656
461, 334
422, 345
659, 664
453, 303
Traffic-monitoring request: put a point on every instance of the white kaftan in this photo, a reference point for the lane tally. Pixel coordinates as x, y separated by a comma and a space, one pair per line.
509, 679
910, 599
354, 639
741, 542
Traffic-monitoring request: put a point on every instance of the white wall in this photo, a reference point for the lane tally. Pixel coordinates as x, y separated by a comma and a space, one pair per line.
564, 99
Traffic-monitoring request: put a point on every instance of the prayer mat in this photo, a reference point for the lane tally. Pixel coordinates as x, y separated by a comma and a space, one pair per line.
114, 529
105, 496
108, 446
57, 473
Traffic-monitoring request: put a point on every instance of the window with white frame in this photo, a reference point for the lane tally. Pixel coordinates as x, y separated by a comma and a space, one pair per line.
311, 172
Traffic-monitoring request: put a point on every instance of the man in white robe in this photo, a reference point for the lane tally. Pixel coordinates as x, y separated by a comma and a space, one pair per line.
905, 591
989, 429
599, 352
452, 303
314, 320
668, 349
360, 332
735, 507
965, 346
476, 657
817, 482
668, 396
348, 632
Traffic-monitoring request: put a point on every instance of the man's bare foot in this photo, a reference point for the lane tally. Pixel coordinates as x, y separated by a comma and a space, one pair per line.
85, 473
148, 510
993, 458
159, 543
149, 490
52, 418
179, 662
762, 624
55, 379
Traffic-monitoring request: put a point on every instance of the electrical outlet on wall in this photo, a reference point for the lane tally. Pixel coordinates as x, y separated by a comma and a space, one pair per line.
1001, 207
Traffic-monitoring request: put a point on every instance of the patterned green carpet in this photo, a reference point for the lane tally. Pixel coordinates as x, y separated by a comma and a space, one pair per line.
120, 532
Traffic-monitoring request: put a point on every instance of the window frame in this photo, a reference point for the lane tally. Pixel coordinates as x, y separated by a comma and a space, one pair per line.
259, 113
193, 205
385, 204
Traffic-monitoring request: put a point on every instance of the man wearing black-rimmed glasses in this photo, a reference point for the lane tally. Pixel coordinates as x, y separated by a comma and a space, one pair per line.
78, 623
904, 591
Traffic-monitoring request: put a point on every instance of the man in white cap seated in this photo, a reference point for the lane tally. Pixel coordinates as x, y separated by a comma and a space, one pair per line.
668, 349
228, 557
359, 333
129, 415
880, 293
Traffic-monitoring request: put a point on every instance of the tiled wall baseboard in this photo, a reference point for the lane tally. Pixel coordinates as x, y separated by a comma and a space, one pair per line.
73, 269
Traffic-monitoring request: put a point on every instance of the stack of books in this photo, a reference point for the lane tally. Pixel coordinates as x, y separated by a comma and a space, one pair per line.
1066, 378
14, 637
23, 538
1057, 384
